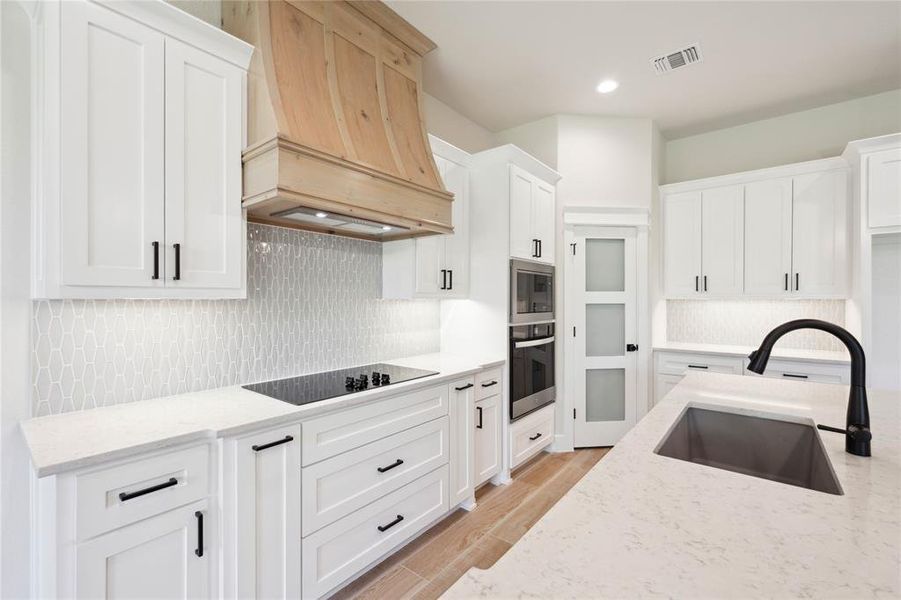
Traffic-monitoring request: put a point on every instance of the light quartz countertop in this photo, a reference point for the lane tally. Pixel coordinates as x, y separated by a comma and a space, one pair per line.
640, 525
827, 356
83, 438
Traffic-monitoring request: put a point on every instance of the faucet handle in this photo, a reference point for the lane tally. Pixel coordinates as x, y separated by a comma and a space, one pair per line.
855, 432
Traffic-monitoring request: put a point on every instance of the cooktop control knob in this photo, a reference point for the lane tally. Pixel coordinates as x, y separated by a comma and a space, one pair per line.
349, 382
376, 378
386, 379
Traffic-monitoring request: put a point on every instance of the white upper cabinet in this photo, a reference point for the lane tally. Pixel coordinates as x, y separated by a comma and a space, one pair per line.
768, 237
884, 188
204, 225
770, 233
532, 217
682, 243
434, 266
140, 138
111, 137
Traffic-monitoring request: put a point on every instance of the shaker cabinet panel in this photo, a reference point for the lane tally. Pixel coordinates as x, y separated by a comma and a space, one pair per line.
204, 225
883, 173
111, 144
722, 232
545, 213
522, 239
487, 428
461, 439
819, 234
682, 243
768, 237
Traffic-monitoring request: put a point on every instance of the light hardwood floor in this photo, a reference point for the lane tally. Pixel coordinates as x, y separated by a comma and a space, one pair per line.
429, 565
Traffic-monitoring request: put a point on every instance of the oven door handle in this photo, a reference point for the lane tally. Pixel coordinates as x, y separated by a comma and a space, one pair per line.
530, 343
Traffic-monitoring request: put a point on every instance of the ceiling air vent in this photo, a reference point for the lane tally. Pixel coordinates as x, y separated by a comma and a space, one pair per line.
678, 59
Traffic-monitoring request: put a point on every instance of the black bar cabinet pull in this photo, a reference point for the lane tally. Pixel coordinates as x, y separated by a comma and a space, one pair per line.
443, 279
285, 440
463, 387
794, 376
539, 248
697, 289
199, 550
450, 279
479, 408
177, 261
534, 437
697, 366
396, 463
797, 281
490, 383
391, 524
705, 283
786, 282
156, 260
123, 496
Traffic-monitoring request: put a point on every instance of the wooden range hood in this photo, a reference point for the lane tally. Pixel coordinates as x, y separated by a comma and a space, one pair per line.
335, 121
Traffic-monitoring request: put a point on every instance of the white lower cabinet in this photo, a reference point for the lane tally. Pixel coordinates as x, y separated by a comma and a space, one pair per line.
461, 439
487, 442
805, 371
167, 556
261, 514
332, 555
531, 434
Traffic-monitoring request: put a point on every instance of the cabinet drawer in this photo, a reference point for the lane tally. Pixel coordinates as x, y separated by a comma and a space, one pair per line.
680, 363
339, 432
336, 553
489, 383
805, 371
530, 434
110, 498
341, 485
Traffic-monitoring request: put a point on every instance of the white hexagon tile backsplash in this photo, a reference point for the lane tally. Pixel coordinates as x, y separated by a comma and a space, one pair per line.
313, 304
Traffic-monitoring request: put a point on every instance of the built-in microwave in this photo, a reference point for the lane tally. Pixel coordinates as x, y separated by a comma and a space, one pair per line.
531, 292
531, 368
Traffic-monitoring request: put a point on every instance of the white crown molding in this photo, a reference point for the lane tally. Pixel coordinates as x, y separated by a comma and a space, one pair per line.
610, 216
812, 166
449, 151
859, 147
509, 153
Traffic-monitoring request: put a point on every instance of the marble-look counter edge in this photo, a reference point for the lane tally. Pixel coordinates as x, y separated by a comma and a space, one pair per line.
128, 430
796, 354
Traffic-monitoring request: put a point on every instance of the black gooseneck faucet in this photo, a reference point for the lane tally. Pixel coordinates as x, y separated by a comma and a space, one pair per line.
857, 426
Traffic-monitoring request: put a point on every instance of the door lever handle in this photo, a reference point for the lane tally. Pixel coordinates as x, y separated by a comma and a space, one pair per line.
631, 347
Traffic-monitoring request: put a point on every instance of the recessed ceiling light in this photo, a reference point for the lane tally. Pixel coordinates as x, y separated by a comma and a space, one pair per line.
607, 86
321, 215
386, 227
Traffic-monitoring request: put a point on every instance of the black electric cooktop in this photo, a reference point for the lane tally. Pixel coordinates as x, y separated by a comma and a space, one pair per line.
322, 386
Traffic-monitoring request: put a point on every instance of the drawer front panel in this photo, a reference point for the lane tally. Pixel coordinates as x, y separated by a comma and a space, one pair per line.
334, 554
804, 371
489, 383
342, 431
532, 433
336, 487
120, 495
679, 363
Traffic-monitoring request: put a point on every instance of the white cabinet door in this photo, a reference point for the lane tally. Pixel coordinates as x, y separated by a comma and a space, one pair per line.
522, 238
111, 144
682, 243
431, 276
884, 188
819, 234
768, 237
722, 246
461, 440
544, 213
263, 508
487, 450
166, 556
204, 113
456, 245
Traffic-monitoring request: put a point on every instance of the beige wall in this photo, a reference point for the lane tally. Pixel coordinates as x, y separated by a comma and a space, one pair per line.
452, 127
538, 138
205, 10
807, 135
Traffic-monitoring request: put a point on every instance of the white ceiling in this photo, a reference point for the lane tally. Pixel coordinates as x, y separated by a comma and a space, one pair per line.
506, 63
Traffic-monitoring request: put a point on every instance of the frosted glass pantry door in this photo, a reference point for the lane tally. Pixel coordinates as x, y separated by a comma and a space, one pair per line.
603, 297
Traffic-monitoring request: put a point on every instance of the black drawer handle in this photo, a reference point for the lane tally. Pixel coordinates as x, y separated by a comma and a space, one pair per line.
123, 496
795, 376
199, 550
286, 439
177, 276
534, 437
450, 279
489, 384
463, 387
156, 260
443, 279
697, 366
479, 408
391, 524
396, 463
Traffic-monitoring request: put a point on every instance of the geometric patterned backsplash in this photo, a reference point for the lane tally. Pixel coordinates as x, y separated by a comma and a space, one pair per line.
746, 322
313, 304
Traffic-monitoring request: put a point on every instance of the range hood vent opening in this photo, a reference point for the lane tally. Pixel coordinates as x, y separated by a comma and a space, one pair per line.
335, 119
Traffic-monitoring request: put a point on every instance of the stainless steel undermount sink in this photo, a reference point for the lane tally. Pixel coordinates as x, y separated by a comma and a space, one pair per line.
777, 450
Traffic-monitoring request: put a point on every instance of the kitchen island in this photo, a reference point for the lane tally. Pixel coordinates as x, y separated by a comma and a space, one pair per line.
644, 525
